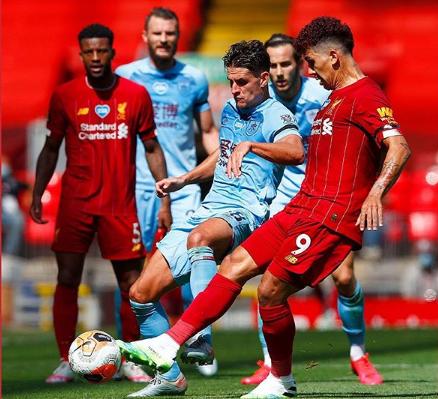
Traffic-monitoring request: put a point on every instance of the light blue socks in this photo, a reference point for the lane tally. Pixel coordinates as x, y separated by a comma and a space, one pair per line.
351, 312
203, 270
152, 320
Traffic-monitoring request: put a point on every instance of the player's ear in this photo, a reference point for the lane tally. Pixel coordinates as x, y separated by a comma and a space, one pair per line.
264, 79
113, 53
144, 36
334, 56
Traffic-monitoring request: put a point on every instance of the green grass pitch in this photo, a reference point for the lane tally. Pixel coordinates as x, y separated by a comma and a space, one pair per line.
408, 360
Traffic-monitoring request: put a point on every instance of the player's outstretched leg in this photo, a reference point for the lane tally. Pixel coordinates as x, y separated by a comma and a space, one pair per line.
157, 353
199, 349
351, 312
264, 366
155, 280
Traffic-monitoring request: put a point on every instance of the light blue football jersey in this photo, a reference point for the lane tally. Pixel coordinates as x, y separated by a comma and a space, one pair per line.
177, 94
304, 106
256, 187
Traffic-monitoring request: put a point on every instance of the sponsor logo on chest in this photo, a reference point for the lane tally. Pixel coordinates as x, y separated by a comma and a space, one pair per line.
103, 130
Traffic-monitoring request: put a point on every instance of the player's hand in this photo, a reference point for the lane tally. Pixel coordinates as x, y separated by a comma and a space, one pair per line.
234, 165
36, 211
168, 185
371, 213
165, 215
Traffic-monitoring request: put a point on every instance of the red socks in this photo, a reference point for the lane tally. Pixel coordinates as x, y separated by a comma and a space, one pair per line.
65, 317
279, 332
130, 329
206, 308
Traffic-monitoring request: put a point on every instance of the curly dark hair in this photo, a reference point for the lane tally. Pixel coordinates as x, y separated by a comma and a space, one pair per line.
324, 29
96, 30
250, 54
280, 39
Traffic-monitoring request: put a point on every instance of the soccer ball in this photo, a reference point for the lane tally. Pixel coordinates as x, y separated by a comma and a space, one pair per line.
95, 356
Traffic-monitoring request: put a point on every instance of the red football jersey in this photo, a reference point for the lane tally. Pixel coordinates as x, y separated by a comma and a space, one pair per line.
344, 156
100, 129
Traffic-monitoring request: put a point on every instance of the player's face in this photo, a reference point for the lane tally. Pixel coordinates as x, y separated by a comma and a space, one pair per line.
97, 54
284, 69
247, 89
161, 37
320, 61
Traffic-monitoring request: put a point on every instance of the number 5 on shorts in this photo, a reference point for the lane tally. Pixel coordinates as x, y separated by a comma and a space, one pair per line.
302, 242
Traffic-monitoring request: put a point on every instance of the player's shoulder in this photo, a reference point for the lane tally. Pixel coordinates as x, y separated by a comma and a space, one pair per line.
126, 70
272, 105
130, 85
71, 85
191, 72
312, 91
368, 91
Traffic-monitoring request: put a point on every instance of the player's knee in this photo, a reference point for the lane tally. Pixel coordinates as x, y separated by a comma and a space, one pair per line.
238, 267
69, 279
197, 238
265, 294
139, 295
345, 282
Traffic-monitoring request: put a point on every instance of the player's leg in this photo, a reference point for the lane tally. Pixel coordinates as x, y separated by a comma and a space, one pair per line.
127, 272
351, 312
155, 280
216, 299
279, 332
206, 244
120, 241
75, 231
65, 310
167, 268
309, 253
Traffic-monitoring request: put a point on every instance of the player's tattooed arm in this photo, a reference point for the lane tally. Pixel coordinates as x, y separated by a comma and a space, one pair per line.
44, 170
371, 215
201, 173
157, 165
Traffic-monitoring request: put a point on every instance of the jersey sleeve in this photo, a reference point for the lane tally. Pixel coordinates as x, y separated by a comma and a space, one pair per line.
146, 124
201, 102
282, 123
57, 121
375, 116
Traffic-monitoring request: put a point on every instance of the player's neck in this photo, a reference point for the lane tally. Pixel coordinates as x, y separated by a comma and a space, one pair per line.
294, 90
348, 74
103, 83
163, 64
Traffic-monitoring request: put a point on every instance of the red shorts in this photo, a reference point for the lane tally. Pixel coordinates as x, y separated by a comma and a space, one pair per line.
119, 237
297, 250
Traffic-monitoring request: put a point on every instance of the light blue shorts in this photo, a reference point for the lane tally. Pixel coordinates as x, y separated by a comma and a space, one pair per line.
183, 205
174, 245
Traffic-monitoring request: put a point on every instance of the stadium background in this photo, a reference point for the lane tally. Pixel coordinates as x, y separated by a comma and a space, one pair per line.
395, 44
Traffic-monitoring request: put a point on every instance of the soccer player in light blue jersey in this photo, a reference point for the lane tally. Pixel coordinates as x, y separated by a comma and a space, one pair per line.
257, 135
304, 97
179, 95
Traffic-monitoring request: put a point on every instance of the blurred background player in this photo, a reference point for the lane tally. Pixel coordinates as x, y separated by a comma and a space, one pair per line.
100, 116
304, 97
255, 132
341, 196
180, 96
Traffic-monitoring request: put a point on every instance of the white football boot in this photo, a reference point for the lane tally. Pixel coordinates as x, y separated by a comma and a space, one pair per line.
162, 387
274, 388
62, 374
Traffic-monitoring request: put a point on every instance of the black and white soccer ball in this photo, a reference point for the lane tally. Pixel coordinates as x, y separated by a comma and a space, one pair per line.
95, 356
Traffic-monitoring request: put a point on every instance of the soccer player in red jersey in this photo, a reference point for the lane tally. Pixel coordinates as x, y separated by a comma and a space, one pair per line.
100, 116
340, 197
